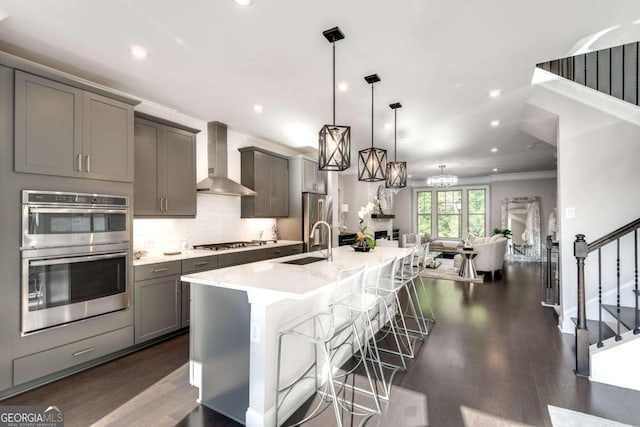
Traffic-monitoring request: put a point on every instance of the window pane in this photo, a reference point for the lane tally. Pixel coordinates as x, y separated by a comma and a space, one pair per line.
424, 224
424, 212
449, 202
476, 225
477, 201
424, 202
448, 225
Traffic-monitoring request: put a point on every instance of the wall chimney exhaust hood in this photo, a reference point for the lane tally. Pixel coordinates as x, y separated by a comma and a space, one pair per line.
217, 181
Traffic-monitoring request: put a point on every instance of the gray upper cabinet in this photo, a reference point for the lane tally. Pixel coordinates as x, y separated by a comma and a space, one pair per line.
64, 131
165, 170
313, 180
107, 141
268, 175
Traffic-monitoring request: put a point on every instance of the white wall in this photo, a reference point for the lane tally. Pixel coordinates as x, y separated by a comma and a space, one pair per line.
218, 217
598, 176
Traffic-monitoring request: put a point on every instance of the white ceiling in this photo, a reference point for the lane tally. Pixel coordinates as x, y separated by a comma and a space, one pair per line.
214, 60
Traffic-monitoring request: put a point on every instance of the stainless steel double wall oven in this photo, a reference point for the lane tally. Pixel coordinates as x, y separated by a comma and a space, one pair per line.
76, 257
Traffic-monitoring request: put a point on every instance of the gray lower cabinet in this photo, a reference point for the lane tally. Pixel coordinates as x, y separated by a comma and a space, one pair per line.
64, 131
268, 175
157, 301
67, 356
193, 265
165, 170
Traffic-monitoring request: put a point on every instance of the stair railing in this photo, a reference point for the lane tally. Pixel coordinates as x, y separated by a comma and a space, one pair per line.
581, 249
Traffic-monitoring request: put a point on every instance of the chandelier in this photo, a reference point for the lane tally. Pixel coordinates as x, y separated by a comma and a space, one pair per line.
334, 142
442, 180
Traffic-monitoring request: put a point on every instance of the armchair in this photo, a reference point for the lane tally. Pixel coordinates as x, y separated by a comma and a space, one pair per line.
491, 251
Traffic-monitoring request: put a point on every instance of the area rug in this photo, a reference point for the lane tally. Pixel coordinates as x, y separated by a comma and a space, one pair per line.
476, 418
561, 417
446, 271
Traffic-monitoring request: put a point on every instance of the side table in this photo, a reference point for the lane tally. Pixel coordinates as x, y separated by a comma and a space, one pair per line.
467, 269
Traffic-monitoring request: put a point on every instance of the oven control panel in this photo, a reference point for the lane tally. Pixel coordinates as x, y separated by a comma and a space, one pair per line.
78, 199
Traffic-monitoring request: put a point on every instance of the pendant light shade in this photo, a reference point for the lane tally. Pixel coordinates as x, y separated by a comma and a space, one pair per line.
334, 142
396, 176
372, 162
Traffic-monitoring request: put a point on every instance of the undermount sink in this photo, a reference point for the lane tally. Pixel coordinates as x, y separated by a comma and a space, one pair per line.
304, 261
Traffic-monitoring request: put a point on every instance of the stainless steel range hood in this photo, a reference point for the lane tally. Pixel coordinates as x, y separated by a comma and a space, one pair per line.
217, 181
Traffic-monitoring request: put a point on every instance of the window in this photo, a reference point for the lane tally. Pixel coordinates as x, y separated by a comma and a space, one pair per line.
424, 212
449, 208
452, 213
476, 212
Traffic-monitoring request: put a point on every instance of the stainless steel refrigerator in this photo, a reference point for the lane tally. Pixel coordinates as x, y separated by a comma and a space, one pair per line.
316, 207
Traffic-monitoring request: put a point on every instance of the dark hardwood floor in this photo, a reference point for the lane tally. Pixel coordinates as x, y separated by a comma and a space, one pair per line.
494, 354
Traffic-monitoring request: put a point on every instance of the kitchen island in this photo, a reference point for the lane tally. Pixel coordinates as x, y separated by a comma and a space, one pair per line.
236, 314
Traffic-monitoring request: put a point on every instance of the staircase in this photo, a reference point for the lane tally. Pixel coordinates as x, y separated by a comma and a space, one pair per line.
592, 335
613, 71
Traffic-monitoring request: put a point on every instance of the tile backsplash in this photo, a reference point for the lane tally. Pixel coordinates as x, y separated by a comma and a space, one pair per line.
218, 220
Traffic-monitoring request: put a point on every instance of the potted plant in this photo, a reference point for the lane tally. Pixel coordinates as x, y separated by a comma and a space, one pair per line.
505, 232
364, 241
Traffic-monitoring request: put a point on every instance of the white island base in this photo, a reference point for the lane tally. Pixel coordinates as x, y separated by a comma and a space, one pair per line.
236, 314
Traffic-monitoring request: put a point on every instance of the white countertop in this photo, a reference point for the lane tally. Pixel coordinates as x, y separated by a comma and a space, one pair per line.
197, 253
288, 280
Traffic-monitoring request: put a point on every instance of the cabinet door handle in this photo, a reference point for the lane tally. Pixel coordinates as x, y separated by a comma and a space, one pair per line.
200, 264
166, 204
161, 199
85, 351
160, 270
79, 162
88, 162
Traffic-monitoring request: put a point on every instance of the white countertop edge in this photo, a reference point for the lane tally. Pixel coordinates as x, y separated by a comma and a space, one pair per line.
198, 253
253, 279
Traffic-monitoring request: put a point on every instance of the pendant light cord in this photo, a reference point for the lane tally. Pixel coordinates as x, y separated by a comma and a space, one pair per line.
395, 135
334, 82
372, 115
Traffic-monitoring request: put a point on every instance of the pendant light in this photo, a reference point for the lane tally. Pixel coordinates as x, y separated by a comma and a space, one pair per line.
396, 171
372, 162
334, 145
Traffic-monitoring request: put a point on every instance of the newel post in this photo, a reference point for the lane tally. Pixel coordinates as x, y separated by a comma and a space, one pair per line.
582, 333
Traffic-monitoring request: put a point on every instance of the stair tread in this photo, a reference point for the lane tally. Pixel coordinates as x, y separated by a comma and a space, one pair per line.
627, 315
592, 325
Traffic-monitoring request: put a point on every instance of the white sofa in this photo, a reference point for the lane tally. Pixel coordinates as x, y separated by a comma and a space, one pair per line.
491, 252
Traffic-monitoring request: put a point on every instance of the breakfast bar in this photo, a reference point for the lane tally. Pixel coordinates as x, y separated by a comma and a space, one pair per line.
236, 314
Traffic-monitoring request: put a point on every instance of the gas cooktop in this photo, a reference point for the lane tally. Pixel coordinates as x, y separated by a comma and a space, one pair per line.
231, 245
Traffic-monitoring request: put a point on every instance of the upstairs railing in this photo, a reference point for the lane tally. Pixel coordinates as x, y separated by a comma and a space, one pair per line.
581, 250
613, 71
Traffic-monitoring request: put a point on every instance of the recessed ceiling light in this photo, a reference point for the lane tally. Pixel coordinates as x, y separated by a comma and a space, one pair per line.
494, 93
495, 169
388, 126
343, 86
409, 176
494, 150
243, 2
138, 52
258, 109
495, 123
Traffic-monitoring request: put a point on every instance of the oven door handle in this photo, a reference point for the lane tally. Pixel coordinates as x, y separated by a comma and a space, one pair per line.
79, 211
69, 260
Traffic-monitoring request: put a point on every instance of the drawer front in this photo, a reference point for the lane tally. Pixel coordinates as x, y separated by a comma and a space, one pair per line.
285, 251
195, 265
47, 362
245, 257
161, 269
